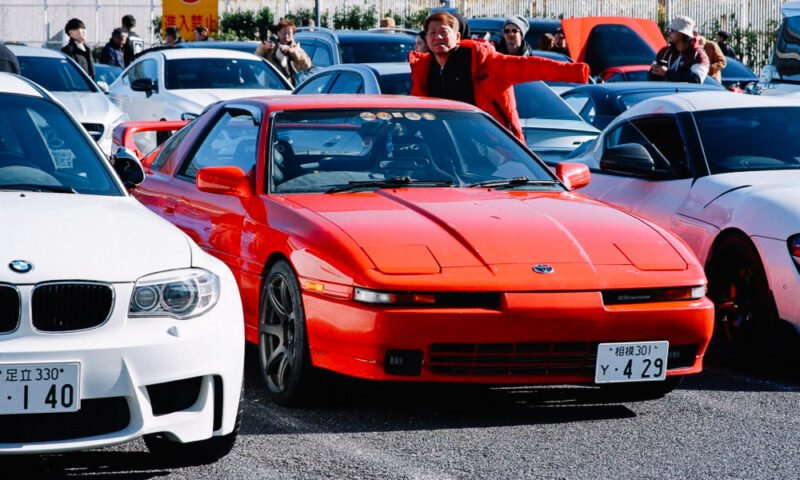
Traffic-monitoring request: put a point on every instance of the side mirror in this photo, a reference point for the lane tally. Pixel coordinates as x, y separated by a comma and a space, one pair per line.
144, 85
573, 175
224, 181
189, 116
128, 168
629, 158
103, 86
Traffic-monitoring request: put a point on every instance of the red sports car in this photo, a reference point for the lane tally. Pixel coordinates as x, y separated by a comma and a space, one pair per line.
397, 238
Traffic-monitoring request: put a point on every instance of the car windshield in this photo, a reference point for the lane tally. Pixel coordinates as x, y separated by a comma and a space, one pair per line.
772, 141
54, 74
320, 151
395, 84
393, 48
41, 149
186, 73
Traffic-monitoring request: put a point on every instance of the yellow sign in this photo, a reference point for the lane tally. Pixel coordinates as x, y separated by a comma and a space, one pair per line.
186, 15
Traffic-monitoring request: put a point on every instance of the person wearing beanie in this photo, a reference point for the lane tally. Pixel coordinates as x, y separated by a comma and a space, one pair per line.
722, 41
474, 72
683, 60
513, 42
77, 49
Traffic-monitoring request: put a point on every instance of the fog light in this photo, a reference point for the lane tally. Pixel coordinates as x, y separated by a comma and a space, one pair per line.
403, 362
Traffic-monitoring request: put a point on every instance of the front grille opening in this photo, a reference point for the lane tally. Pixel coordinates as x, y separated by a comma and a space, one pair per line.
9, 308
510, 359
171, 397
96, 417
60, 307
489, 300
681, 356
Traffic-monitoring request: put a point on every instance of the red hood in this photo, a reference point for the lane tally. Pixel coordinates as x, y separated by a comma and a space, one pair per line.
577, 30
421, 230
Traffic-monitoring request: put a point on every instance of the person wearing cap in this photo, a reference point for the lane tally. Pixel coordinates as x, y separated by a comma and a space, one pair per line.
474, 72
722, 41
683, 60
77, 49
716, 60
513, 42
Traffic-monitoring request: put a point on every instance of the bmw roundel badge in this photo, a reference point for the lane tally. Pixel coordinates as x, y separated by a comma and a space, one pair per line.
541, 268
21, 266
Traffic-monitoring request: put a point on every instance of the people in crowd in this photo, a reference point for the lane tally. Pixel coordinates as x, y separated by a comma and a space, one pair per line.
682, 60
172, 36
546, 42
722, 41
77, 49
513, 42
112, 53
560, 42
201, 34
134, 45
716, 60
387, 22
284, 52
474, 72
8, 61
419, 43
308, 22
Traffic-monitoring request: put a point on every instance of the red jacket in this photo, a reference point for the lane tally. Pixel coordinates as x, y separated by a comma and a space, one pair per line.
493, 75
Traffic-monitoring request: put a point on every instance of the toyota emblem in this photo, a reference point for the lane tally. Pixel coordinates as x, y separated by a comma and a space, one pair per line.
21, 266
541, 268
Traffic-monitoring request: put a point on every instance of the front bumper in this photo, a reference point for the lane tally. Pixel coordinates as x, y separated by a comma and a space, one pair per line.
119, 360
550, 331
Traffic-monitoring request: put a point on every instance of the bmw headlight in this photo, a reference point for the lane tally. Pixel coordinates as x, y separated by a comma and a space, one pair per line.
179, 294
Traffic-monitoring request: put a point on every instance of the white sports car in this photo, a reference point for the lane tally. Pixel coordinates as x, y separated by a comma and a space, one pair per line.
164, 84
113, 324
722, 171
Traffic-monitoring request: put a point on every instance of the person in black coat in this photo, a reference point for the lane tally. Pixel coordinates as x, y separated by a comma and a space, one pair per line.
722, 41
77, 49
112, 53
8, 61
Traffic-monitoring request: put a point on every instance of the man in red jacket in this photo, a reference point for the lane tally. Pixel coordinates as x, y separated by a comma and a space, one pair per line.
475, 73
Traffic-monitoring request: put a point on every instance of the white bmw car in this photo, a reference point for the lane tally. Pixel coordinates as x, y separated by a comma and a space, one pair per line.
164, 84
74, 88
113, 323
722, 171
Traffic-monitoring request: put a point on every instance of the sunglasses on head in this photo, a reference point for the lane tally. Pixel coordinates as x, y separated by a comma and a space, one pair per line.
510, 30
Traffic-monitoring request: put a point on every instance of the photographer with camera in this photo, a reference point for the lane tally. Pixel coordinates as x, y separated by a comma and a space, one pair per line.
683, 60
281, 50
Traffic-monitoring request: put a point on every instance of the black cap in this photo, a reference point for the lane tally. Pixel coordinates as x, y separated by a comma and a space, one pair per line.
73, 24
723, 34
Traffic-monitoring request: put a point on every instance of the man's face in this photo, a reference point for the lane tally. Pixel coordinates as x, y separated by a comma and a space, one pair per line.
441, 38
512, 35
675, 37
170, 40
559, 39
78, 34
286, 35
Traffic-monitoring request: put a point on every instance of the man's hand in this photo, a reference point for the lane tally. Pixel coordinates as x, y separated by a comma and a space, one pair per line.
658, 70
285, 48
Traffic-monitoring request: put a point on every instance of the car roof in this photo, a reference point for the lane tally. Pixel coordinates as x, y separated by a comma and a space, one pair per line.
176, 53
14, 84
23, 51
710, 100
356, 101
534, 22
356, 36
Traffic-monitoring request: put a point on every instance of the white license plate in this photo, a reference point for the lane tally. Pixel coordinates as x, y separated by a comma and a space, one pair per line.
39, 388
631, 362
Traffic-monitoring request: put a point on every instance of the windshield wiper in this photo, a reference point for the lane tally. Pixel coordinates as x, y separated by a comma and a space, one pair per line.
512, 182
32, 187
390, 183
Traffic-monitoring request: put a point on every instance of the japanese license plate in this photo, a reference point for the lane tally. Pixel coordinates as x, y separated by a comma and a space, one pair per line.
631, 362
39, 388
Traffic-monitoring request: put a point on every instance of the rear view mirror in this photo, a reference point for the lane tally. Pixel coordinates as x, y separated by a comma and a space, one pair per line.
128, 168
629, 158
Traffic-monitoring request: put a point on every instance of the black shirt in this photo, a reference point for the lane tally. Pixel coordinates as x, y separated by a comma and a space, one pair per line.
454, 80
81, 57
132, 47
8, 61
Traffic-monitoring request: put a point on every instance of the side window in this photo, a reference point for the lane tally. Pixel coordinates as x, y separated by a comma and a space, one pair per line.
144, 69
169, 147
661, 137
583, 106
317, 85
232, 141
322, 56
347, 83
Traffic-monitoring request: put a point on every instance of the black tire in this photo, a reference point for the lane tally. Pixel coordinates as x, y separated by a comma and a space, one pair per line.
195, 453
283, 351
745, 316
640, 391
